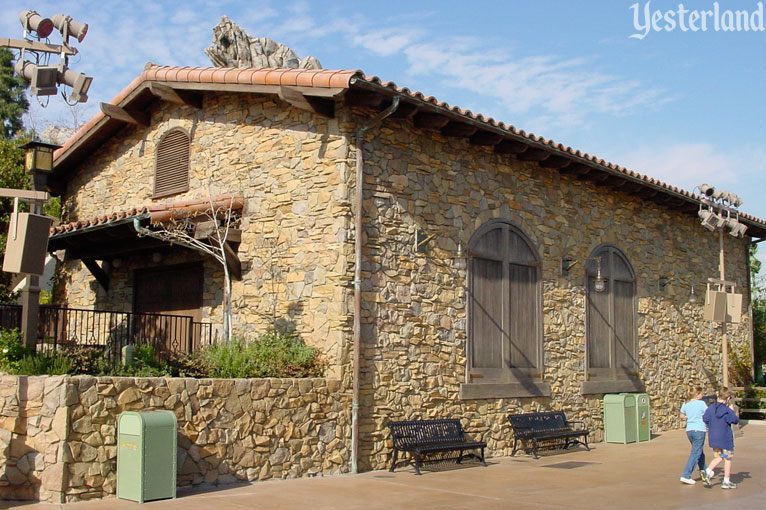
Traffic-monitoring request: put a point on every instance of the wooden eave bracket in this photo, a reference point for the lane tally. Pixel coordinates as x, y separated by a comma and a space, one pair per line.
129, 116
101, 277
232, 261
318, 105
171, 95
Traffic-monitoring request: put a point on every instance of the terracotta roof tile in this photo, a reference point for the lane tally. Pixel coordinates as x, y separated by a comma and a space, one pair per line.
324, 78
158, 212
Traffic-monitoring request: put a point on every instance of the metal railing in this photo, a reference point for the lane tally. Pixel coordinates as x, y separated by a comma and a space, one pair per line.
112, 330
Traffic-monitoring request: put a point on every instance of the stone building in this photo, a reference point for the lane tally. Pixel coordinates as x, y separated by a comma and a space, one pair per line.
483, 248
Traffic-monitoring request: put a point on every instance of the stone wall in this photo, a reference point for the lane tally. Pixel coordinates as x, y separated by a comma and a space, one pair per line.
58, 435
414, 308
291, 168
33, 431
295, 170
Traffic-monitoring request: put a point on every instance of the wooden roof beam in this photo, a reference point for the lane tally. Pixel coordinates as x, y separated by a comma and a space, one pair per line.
556, 162
429, 120
598, 177
458, 129
485, 138
405, 110
533, 154
182, 97
321, 106
511, 147
136, 117
575, 169
364, 98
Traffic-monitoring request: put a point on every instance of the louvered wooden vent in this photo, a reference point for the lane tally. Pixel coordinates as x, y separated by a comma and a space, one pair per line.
171, 173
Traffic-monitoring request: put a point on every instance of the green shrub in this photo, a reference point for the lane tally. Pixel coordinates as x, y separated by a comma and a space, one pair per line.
12, 350
279, 354
228, 359
45, 363
87, 360
272, 354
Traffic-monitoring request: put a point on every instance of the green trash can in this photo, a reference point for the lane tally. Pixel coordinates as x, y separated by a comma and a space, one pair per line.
620, 423
146, 455
643, 417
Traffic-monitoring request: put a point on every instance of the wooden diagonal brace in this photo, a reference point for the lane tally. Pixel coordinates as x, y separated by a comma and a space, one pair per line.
121, 114
101, 277
171, 95
324, 107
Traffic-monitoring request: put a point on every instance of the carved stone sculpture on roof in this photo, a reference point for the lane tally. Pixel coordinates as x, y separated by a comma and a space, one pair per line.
232, 47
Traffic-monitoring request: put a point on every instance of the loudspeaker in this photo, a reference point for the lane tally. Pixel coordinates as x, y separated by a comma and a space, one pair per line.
26, 248
715, 306
734, 308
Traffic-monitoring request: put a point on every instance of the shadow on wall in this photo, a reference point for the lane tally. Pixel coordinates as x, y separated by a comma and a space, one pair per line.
19, 478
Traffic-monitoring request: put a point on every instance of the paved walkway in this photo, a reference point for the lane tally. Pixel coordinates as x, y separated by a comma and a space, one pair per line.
639, 475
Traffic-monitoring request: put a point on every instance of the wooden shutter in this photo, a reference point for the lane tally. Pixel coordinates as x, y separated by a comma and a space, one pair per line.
487, 316
599, 335
624, 328
171, 174
611, 316
523, 299
504, 308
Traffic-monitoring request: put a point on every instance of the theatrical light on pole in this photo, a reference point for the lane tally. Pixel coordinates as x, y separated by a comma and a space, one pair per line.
33, 22
706, 190
710, 220
79, 82
731, 198
738, 230
43, 79
70, 28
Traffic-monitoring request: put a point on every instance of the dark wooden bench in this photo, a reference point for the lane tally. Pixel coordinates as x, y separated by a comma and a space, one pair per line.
548, 429
428, 437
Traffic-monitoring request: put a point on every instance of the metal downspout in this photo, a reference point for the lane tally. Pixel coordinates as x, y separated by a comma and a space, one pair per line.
358, 276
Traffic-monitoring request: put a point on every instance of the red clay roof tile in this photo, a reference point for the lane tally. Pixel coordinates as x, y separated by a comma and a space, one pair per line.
343, 79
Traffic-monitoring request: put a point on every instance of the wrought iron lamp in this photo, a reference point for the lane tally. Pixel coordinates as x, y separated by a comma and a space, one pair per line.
567, 264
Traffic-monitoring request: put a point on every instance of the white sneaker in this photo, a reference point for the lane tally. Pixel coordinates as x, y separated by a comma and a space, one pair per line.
687, 481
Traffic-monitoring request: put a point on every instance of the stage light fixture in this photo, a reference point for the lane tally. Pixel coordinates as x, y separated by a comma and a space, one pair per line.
42, 79
33, 22
70, 28
79, 82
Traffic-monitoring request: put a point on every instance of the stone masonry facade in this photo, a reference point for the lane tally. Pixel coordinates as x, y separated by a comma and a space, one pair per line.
415, 303
296, 171
58, 435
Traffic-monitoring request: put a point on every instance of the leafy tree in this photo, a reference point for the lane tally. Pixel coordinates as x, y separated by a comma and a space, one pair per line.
759, 309
13, 102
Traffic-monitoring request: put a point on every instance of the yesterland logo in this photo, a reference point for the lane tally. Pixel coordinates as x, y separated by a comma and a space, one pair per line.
695, 20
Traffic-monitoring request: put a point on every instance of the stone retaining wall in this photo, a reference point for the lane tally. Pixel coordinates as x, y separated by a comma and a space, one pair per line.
58, 435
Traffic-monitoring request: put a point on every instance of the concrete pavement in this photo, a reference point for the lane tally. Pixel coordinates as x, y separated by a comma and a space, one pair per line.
639, 475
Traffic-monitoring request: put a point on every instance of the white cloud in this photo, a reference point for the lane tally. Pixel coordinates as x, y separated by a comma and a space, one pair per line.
686, 164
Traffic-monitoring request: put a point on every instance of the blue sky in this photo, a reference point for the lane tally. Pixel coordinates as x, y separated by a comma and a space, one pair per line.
681, 106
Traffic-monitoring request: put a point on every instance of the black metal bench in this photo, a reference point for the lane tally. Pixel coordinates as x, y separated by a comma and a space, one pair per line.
428, 437
548, 429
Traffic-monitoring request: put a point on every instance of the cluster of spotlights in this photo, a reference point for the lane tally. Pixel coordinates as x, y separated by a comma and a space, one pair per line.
45, 79
718, 211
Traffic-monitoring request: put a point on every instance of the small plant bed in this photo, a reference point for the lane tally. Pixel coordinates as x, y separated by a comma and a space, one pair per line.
271, 354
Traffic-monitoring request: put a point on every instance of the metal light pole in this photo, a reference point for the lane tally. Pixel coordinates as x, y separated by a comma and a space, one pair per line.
718, 211
724, 338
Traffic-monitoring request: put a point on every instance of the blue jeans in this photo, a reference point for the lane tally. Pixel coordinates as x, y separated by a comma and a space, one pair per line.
697, 455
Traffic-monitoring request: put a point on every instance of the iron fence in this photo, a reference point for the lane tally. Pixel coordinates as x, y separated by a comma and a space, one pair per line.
112, 330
